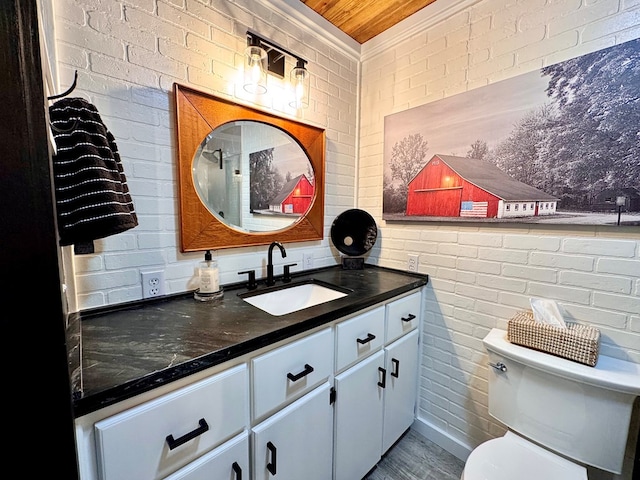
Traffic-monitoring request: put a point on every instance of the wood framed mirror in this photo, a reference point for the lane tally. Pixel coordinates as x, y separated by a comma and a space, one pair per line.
246, 177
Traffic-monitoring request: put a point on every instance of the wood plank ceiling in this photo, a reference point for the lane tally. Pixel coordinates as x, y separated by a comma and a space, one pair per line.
364, 19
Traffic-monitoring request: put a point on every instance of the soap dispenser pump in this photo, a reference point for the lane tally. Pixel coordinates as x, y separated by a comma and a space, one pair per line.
209, 279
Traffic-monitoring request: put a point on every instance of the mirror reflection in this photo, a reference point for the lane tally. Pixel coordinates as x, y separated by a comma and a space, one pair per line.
252, 176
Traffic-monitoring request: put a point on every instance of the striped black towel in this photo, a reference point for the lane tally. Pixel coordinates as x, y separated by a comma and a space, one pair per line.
92, 196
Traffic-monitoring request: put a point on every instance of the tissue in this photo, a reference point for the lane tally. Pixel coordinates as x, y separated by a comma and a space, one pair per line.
547, 311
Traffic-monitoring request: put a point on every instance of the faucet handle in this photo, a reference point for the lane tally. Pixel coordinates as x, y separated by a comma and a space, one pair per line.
252, 285
287, 272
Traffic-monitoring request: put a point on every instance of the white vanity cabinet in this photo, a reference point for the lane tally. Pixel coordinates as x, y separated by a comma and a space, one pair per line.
159, 437
324, 405
375, 398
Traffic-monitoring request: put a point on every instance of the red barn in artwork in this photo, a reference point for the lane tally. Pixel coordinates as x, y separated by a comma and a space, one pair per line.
449, 186
295, 196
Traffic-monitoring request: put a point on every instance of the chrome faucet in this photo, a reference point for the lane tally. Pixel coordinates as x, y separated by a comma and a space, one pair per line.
270, 280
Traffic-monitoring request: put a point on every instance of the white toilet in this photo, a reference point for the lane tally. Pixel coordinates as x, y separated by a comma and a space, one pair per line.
561, 415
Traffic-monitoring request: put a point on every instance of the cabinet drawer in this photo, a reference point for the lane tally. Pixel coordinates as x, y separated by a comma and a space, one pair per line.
403, 315
157, 438
286, 373
228, 461
359, 337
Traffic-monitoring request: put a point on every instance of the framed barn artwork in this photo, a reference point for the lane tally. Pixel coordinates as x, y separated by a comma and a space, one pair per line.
559, 145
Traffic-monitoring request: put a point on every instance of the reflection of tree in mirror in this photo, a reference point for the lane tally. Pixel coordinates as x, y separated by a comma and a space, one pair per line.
265, 180
281, 180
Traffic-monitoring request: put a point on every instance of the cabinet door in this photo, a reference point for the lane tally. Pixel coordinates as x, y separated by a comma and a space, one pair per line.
358, 418
230, 461
401, 360
296, 442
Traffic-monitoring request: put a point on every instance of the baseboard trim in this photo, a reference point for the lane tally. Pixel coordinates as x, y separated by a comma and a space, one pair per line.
441, 438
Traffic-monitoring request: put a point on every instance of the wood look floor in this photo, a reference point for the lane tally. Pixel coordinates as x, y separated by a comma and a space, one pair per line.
414, 457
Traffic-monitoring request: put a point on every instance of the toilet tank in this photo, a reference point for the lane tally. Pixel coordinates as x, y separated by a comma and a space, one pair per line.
578, 411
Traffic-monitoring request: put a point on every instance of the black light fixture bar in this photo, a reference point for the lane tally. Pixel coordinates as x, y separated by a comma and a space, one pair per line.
275, 54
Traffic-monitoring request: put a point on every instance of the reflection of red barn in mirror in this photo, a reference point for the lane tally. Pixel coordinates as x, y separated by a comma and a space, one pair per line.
449, 186
294, 198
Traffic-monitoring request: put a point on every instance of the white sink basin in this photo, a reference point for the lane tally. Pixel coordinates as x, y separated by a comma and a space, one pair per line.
293, 298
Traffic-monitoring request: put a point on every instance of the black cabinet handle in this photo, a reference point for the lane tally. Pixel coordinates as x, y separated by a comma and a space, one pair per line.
307, 370
383, 382
271, 466
173, 443
370, 336
237, 470
409, 318
396, 367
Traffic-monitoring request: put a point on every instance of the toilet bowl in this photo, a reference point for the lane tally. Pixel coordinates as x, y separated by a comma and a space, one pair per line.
511, 457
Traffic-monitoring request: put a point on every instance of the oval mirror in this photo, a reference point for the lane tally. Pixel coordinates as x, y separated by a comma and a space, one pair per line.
246, 177
253, 176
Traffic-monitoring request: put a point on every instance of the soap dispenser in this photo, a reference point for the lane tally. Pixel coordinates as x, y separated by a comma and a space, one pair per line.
209, 279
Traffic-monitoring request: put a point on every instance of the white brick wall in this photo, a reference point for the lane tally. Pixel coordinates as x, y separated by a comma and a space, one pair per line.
128, 54
480, 276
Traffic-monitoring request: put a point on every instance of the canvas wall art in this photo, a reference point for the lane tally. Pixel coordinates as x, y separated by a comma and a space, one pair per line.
557, 145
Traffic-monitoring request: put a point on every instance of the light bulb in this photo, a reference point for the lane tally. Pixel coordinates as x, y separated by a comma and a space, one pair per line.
300, 82
255, 77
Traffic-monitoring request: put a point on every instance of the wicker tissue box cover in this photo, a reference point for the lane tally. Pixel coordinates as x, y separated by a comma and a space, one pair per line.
579, 343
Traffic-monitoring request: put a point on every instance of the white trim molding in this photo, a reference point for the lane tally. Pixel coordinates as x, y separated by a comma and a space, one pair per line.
311, 21
429, 16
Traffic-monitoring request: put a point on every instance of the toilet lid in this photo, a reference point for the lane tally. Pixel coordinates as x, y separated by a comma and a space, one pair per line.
512, 457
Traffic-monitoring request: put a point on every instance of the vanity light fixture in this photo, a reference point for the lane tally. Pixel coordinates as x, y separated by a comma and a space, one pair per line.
262, 57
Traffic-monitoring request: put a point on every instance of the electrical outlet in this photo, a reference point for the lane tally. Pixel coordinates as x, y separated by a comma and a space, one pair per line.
412, 262
307, 261
152, 284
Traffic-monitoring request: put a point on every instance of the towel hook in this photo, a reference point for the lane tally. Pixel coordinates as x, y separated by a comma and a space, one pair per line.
68, 91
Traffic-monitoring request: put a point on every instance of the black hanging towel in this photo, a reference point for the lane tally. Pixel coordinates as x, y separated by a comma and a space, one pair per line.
92, 196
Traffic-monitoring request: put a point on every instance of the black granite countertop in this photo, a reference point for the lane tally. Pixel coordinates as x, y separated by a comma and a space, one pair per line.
132, 348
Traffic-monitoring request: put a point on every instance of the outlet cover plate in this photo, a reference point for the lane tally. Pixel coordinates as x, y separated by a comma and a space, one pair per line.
307, 261
412, 262
152, 284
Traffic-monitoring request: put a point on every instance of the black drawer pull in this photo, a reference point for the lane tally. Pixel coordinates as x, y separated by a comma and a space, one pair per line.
237, 470
409, 318
271, 466
370, 336
173, 443
383, 382
396, 367
307, 370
